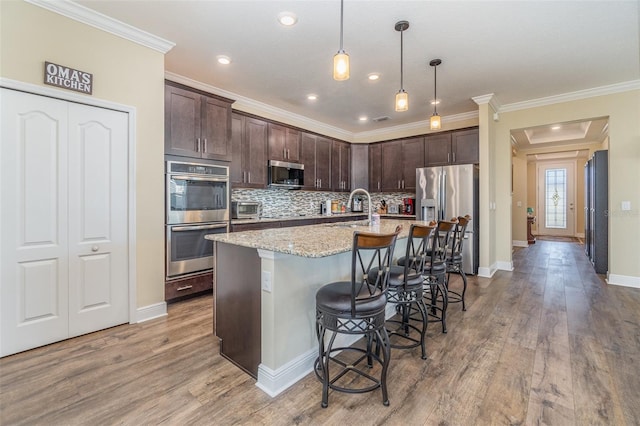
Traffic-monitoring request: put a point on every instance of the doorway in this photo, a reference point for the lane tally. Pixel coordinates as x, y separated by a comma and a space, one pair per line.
556, 199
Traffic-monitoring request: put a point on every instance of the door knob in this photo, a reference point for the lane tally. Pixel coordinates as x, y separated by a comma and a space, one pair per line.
94, 248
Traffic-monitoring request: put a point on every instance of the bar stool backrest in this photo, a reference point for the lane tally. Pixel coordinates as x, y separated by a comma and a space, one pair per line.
457, 238
441, 241
370, 251
418, 246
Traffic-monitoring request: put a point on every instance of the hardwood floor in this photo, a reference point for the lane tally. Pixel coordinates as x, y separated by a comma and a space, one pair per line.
549, 343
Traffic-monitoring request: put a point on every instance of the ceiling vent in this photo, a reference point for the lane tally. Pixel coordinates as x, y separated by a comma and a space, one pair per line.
379, 119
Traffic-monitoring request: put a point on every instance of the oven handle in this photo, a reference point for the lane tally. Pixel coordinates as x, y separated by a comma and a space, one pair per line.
200, 178
198, 227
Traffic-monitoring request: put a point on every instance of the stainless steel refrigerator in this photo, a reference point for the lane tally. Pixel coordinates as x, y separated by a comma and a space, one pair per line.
445, 192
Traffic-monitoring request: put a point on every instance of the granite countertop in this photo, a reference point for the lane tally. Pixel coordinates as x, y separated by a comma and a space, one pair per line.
312, 240
316, 216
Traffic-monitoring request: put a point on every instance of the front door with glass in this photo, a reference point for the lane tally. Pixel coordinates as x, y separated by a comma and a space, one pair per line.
556, 199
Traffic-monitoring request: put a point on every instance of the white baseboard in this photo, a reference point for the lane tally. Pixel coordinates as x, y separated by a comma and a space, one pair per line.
273, 382
579, 234
150, 312
520, 243
485, 272
504, 266
623, 280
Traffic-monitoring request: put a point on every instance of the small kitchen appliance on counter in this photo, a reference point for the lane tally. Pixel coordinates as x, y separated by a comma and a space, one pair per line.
356, 205
246, 209
409, 205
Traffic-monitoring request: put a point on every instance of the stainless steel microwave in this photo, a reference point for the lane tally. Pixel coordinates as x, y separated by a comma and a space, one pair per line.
285, 175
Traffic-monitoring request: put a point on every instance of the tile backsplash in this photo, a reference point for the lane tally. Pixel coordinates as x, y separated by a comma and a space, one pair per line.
284, 202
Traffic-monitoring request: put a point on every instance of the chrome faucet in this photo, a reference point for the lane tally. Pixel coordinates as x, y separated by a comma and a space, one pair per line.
365, 192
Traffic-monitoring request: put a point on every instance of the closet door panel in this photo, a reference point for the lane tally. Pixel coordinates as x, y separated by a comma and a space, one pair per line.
98, 257
33, 221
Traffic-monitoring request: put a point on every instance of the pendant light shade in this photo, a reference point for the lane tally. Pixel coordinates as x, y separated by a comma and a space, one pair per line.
402, 101
402, 97
341, 66
341, 59
435, 123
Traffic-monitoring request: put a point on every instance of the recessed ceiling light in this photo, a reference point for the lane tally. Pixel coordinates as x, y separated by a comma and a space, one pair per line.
312, 97
373, 76
287, 19
363, 118
556, 127
224, 60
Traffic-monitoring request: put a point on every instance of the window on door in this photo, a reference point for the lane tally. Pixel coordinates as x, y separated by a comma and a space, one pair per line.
556, 198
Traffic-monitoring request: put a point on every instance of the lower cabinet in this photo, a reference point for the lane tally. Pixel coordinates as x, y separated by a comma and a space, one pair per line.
179, 289
237, 311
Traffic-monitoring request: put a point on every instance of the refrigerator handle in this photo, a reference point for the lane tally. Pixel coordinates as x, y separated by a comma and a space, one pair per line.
444, 196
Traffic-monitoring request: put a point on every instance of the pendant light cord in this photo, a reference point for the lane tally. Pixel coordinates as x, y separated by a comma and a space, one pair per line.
341, 23
435, 88
401, 61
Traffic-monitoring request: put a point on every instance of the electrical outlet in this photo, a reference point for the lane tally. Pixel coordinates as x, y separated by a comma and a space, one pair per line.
266, 281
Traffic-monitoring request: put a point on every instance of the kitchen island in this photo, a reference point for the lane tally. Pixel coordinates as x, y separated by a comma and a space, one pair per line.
265, 286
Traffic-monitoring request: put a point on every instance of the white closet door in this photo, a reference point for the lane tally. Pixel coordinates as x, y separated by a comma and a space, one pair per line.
63, 220
33, 221
98, 257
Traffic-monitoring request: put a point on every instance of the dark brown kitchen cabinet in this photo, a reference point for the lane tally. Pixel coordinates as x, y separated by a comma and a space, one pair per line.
284, 143
197, 125
375, 167
391, 166
340, 166
249, 152
315, 154
465, 147
459, 147
400, 159
412, 158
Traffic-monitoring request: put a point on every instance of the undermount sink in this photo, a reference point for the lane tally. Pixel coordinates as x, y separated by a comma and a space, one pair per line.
347, 224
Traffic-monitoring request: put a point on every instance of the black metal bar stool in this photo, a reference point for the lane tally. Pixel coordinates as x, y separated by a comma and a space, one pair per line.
435, 276
454, 261
406, 291
356, 307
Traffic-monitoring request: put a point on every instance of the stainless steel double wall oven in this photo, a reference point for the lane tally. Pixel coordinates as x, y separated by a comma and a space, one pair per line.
197, 200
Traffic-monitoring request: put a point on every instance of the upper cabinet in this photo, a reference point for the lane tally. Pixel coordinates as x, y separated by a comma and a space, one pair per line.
375, 167
399, 162
315, 155
459, 147
284, 143
196, 124
341, 166
249, 146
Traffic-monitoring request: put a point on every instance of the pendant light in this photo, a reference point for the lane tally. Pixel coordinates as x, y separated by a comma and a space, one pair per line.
341, 59
435, 122
402, 97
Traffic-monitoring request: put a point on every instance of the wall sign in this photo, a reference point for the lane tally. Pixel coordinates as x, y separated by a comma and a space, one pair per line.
68, 78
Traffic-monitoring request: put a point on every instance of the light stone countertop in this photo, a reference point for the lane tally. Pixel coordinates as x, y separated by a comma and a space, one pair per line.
311, 240
315, 216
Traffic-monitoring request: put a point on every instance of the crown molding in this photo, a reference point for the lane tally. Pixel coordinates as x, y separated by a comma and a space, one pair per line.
490, 99
573, 96
419, 126
102, 22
